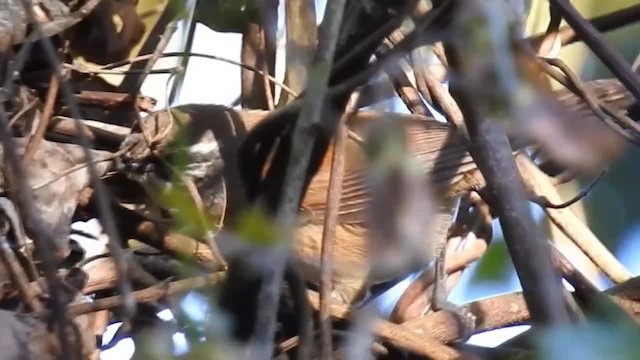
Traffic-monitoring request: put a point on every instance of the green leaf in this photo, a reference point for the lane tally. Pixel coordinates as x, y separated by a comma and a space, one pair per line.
495, 264
256, 228
189, 219
613, 340
226, 15
177, 9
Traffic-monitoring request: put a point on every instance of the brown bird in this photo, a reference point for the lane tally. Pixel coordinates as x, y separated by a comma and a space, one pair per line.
435, 144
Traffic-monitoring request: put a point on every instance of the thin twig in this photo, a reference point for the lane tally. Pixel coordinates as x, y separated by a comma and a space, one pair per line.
442, 326
75, 168
406, 91
146, 295
266, 84
399, 335
24, 197
329, 228
35, 140
544, 202
205, 56
22, 111
567, 222
160, 47
636, 63
298, 162
493, 154
302, 35
57, 26
601, 48
607, 22
103, 201
16, 273
86, 70
17, 276
425, 29
616, 120
551, 38
430, 87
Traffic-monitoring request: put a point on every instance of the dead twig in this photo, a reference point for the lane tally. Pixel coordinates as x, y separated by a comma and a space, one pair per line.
102, 196
17, 116
406, 91
36, 139
329, 228
417, 298
298, 163
114, 99
510, 310
493, 154
544, 202
540, 184
15, 270
611, 21
617, 121
602, 49
550, 43
431, 88
59, 25
160, 47
146, 295
205, 56
302, 35
397, 335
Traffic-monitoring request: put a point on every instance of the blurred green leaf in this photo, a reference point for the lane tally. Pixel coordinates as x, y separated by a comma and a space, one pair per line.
495, 264
189, 219
177, 9
615, 340
226, 15
256, 228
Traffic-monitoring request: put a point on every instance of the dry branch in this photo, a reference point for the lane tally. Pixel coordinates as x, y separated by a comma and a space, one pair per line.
576, 230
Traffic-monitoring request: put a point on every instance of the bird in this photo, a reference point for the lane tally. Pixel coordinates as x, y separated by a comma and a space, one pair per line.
443, 155
437, 146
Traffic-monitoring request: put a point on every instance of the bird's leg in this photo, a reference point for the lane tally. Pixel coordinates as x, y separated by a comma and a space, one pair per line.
439, 301
466, 319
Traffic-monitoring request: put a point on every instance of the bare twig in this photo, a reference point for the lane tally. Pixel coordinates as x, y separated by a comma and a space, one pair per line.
16, 273
329, 229
22, 111
36, 139
612, 58
417, 298
148, 294
101, 192
540, 184
162, 44
301, 44
57, 26
23, 195
255, 92
492, 153
617, 121
205, 56
550, 43
398, 335
430, 87
636, 63
603, 23
442, 326
300, 155
425, 29
406, 91
583, 193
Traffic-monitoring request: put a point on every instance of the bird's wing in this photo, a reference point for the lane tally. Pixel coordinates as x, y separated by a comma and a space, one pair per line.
433, 143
